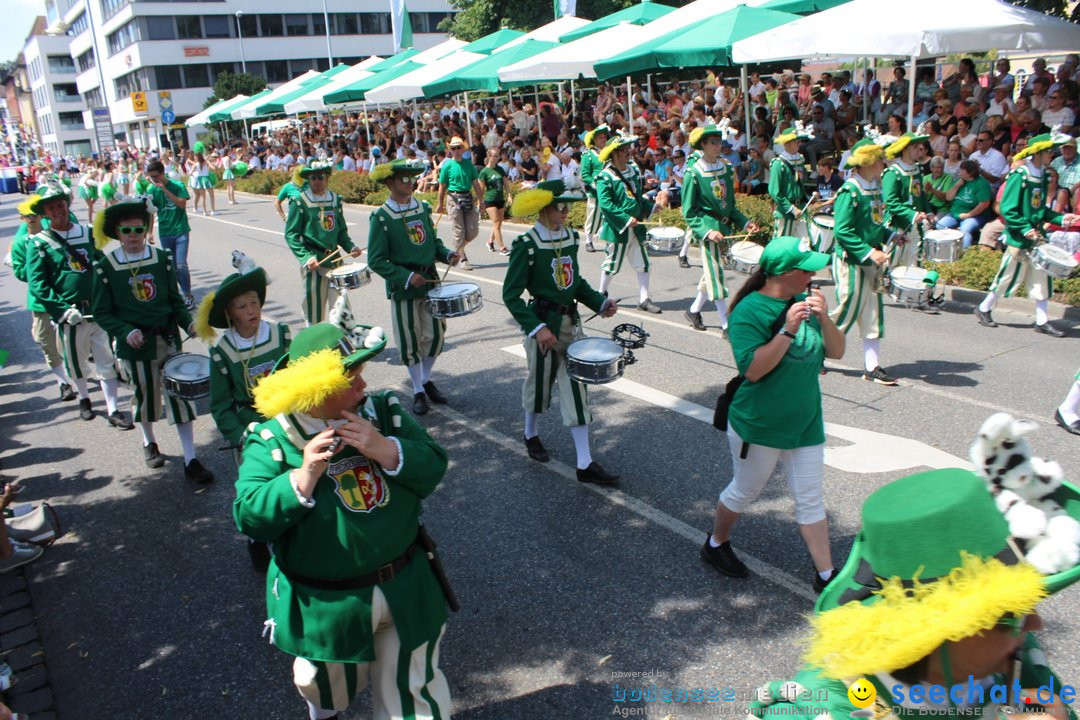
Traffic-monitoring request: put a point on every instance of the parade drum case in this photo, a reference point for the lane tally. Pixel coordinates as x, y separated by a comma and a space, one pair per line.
908, 284
943, 245
455, 300
595, 360
665, 239
1053, 260
744, 257
187, 376
349, 277
823, 227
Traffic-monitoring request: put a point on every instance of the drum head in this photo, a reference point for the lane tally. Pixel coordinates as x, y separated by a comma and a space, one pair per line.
187, 366
452, 290
824, 220
909, 276
747, 251
346, 270
594, 349
666, 233
1057, 254
946, 234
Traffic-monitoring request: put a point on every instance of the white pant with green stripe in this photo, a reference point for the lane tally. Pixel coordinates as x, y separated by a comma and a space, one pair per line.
549, 369
786, 224
1016, 270
417, 333
593, 219
319, 297
78, 343
145, 379
910, 251
403, 685
856, 300
633, 250
712, 276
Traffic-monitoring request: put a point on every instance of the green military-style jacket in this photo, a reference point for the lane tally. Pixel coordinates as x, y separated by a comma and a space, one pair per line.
903, 195
313, 228
858, 214
235, 371
403, 242
590, 168
619, 199
362, 516
545, 264
784, 187
708, 200
20, 246
59, 270
1023, 205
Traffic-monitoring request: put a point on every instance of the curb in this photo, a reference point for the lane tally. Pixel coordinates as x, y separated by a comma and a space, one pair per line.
21, 649
960, 295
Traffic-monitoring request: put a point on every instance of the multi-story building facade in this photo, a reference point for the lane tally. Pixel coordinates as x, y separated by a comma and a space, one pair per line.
58, 107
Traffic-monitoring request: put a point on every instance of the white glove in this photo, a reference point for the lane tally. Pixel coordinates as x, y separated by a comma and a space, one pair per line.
71, 317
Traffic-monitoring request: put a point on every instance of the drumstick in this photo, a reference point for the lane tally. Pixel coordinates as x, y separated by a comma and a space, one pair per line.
808, 202
336, 251
613, 302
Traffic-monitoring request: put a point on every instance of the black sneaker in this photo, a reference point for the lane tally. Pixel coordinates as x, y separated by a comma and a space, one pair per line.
85, 411
420, 404
66, 393
880, 377
120, 421
694, 318
650, 306
596, 475
259, 552
153, 456
589, 247
723, 559
194, 470
984, 318
1048, 329
433, 393
683, 262
926, 308
820, 584
536, 449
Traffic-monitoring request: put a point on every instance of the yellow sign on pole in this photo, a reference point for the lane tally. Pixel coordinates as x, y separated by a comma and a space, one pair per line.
138, 103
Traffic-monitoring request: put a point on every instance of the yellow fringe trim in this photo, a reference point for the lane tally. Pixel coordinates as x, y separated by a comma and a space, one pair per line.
1033, 149
530, 202
897, 147
589, 138
25, 208
695, 137
302, 385
202, 319
296, 179
866, 155
100, 238
904, 626
611, 147
380, 172
786, 137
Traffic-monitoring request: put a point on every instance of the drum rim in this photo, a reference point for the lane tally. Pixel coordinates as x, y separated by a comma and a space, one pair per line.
930, 234
600, 342
435, 293
352, 268
655, 232
832, 219
1046, 251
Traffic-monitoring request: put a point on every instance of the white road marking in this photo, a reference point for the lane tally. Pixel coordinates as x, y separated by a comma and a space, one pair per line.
869, 451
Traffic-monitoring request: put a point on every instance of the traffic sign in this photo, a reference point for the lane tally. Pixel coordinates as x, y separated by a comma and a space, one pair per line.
138, 102
164, 98
168, 117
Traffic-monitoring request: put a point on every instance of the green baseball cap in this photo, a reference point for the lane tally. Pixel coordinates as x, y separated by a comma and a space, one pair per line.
788, 252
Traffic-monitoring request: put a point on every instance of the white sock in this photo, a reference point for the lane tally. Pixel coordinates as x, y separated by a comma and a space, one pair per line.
61, 376
721, 309
186, 431
1040, 312
80, 385
988, 302
427, 363
699, 302
416, 374
581, 444
147, 429
685, 247
713, 542
871, 348
824, 574
605, 280
108, 389
643, 284
530, 424
1070, 408
316, 714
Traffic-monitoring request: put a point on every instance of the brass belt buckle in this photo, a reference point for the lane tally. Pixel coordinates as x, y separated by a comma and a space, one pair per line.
385, 573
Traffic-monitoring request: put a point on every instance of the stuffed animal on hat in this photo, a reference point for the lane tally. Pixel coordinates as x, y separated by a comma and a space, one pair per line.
243, 263
1023, 487
359, 335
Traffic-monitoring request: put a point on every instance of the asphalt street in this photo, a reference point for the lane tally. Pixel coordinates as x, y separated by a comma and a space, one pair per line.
148, 607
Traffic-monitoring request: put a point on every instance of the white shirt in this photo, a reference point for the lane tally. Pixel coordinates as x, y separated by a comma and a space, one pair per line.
554, 168
993, 162
1001, 108
1065, 116
347, 163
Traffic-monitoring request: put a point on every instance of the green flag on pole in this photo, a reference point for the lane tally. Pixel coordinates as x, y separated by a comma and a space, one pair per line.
401, 25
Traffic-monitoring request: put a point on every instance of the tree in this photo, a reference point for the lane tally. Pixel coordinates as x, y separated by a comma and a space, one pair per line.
1055, 8
229, 85
478, 18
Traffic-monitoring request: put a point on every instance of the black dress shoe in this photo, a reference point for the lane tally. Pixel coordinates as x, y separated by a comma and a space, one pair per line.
596, 475
984, 318
259, 552
153, 456
694, 318
420, 404
650, 306
683, 262
1074, 428
723, 558
820, 584
85, 411
66, 393
433, 393
119, 420
536, 449
194, 470
1048, 329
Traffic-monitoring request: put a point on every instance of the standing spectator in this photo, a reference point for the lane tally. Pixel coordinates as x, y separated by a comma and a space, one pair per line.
897, 94
1001, 76
970, 199
869, 94
530, 170
460, 197
992, 164
926, 86
496, 194
170, 197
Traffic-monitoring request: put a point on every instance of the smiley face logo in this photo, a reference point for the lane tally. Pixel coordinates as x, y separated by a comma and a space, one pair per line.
862, 693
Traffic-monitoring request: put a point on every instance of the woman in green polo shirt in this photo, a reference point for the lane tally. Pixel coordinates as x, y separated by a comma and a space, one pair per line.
496, 192
970, 198
780, 336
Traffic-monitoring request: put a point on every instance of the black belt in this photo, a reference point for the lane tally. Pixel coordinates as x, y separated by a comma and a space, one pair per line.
716, 216
383, 574
547, 306
82, 304
461, 194
422, 269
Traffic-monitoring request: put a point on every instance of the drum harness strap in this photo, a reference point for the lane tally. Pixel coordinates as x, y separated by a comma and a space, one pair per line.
545, 306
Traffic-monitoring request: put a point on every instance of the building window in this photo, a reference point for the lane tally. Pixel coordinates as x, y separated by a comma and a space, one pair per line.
216, 69
188, 27
270, 26
72, 121
61, 64
296, 25
346, 23
277, 71
167, 77
111, 7
374, 23
122, 38
85, 61
132, 82
318, 24
160, 27
299, 67
93, 97
249, 25
216, 26
196, 76
66, 92
322, 64
427, 22
79, 25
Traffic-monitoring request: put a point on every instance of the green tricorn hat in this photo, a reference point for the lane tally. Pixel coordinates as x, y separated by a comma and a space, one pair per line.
105, 220
614, 144
698, 135
530, 202
598, 130
1043, 142
401, 166
317, 166
897, 146
46, 192
212, 313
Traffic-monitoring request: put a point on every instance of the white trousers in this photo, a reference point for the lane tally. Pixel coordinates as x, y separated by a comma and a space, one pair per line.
804, 468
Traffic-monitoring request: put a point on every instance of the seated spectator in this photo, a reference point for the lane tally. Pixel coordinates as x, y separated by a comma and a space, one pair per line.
938, 142
970, 199
896, 125
992, 163
965, 135
1067, 166
926, 86
954, 156
1000, 103
938, 183
530, 170
824, 130
828, 182
755, 182
1058, 113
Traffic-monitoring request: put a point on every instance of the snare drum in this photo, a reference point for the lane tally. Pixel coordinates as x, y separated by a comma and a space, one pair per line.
665, 239
455, 300
595, 360
349, 277
943, 245
1053, 260
744, 257
186, 376
823, 227
908, 284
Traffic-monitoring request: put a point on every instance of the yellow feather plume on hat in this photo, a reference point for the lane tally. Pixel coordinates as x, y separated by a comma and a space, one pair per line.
203, 328
865, 155
530, 202
589, 138
25, 208
296, 179
302, 385
695, 136
381, 172
1033, 149
100, 238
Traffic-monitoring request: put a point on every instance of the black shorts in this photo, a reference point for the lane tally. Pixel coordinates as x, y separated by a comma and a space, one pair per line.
501, 204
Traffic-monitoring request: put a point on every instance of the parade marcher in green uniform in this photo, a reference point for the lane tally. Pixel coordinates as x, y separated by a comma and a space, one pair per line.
42, 329
931, 616
708, 206
314, 229
905, 201
136, 298
289, 191
335, 481
59, 271
461, 197
858, 258
623, 206
544, 262
403, 249
785, 184
591, 165
1024, 210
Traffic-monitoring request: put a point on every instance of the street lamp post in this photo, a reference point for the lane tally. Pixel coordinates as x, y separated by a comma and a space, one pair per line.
240, 34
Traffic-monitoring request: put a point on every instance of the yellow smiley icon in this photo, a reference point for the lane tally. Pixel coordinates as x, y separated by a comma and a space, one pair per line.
861, 693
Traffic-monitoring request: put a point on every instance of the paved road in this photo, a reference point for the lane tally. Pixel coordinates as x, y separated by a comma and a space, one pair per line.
149, 608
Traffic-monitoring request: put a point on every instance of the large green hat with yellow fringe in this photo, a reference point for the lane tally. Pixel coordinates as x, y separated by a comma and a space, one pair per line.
865, 152
897, 147
315, 369
530, 202
401, 166
212, 311
797, 131
591, 135
105, 221
316, 166
1042, 142
614, 144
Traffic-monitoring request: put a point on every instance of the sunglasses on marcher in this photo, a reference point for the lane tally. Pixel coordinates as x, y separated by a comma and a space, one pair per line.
130, 229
